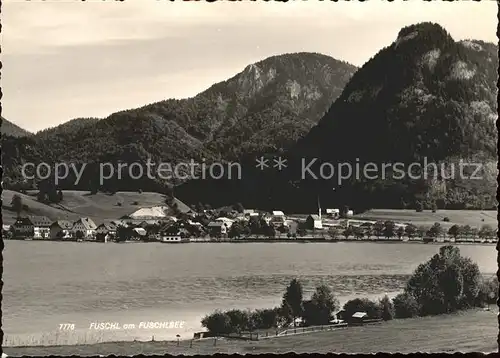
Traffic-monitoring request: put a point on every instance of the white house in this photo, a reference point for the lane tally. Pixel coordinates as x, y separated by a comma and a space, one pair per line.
86, 226
61, 229
150, 213
335, 213
41, 227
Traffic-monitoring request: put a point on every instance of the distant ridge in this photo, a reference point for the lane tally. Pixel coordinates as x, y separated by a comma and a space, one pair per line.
11, 129
264, 108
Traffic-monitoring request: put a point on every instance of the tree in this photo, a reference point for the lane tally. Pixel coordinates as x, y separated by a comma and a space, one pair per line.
405, 306
488, 292
60, 235
123, 233
292, 300
389, 227
434, 207
378, 229
445, 283
217, 323
17, 204
455, 231
486, 232
238, 320
79, 235
420, 207
236, 230
421, 230
400, 232
474, 232
265, 318
255, 225
410, 230
466, 231
435, 230
386, 308
322, 305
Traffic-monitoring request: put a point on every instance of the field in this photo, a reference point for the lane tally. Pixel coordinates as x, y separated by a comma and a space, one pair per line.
474, 218
76, 204
470, 331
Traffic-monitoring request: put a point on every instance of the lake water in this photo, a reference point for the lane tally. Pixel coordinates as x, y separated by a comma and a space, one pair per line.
49, 283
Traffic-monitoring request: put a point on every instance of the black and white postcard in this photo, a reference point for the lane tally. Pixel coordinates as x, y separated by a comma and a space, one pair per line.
202, 177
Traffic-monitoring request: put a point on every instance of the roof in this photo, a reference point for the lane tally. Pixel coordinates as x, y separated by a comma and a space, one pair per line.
224, 219
216, 224
39, 220
278, 213
330, 211
63, 224
152, 212
248, 211
140, 231
108, 226
359, 315
119, 223
314, 217
87, 223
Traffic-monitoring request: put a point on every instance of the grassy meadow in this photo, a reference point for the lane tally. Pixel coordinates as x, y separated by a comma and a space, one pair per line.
75, 204
466, 331
474, 218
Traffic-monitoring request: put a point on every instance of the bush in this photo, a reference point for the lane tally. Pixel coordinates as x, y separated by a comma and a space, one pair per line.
405, 306
420, 207
135, 203
118, 204
386, 308
217, 323
488, 292
446, 219
371, 308
265, 318
239, 320
434, 207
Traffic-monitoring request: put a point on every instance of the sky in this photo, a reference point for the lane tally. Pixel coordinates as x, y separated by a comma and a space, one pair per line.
64, 59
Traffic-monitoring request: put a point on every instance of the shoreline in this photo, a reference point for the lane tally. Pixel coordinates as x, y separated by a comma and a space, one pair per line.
428, 335
273, 240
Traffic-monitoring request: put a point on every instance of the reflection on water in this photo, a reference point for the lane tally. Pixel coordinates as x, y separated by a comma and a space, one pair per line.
48, 283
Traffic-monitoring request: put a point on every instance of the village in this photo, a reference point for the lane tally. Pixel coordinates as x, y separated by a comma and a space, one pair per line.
159, 224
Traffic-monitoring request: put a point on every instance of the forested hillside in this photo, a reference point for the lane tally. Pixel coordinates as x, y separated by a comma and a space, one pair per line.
266, 107
423, 97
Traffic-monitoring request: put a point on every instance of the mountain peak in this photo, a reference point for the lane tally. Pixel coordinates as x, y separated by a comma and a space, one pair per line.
423, 29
